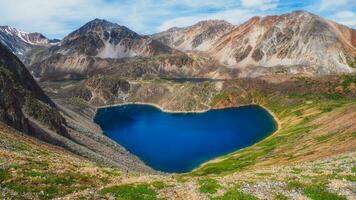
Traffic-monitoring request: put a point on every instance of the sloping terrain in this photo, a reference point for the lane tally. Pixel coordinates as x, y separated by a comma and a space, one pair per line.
24, 106
22, 97
310, 156
200, 36
297, 42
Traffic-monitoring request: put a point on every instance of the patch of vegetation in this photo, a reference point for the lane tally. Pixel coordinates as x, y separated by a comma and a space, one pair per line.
225, 96
33, 178
351, 62
353, 169
325, 137
249, 156
111, 172
3, 175
318, 189
319, 192
351, 178
36, 174
131, 192
182, 179
296, 170
264, 174
295, 185
280, 196
209, 185
234, 193
45, 114
159, 185
227, 165
298, 113
347, 80
217, 98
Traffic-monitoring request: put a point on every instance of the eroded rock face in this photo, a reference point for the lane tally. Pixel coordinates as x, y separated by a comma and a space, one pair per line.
257, 54
290, 40
197, 37
21, 97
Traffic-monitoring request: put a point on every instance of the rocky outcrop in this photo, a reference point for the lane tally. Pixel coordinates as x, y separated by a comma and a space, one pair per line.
107, 90
197, 37
22, 97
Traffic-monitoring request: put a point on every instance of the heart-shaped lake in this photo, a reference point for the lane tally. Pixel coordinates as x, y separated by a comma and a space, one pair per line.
179, 142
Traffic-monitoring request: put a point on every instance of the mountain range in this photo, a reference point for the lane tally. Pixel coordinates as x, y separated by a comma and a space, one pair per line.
294, 43
299, 41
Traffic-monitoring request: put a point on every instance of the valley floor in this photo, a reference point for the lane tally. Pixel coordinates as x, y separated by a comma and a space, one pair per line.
311, 156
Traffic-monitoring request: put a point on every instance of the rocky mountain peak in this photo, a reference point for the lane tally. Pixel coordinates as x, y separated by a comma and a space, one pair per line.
92, 27
20, 42
101, 28
99, 24
301, 12
30, 38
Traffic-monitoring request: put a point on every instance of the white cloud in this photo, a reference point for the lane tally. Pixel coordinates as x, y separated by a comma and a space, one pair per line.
56, 18
346, 17
332, 4
260, 4
59, 17
234, 16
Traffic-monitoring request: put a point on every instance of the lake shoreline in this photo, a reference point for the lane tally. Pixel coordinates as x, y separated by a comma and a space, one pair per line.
135, 105
275, 118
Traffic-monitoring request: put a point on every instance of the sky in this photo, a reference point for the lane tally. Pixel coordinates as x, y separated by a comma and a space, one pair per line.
57, 18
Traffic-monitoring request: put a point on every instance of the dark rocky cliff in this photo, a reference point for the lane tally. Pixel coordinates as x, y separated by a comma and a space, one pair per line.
21, 97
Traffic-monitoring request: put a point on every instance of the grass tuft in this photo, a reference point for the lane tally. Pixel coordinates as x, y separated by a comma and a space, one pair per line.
235, 194
209, 185
131, 192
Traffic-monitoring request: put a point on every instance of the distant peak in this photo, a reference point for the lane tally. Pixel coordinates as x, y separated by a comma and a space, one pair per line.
301, 12
93, 26
212, 22
101, 22
9, 28
97, 20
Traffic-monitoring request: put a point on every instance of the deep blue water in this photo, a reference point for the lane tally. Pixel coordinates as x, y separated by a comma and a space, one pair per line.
179, 142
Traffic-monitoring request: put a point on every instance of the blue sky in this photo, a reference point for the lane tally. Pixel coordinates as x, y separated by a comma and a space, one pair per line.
56, 18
